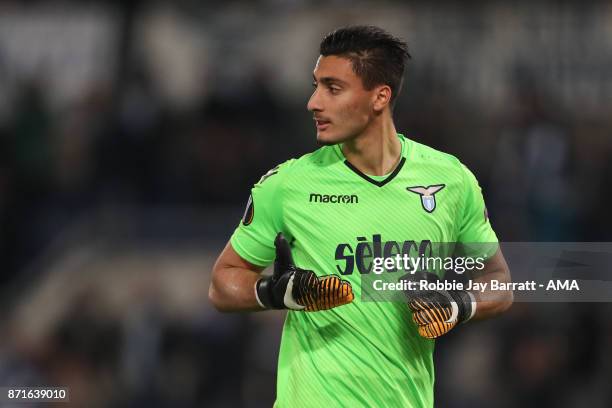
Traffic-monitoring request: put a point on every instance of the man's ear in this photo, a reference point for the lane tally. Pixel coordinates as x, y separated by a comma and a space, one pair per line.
382, 97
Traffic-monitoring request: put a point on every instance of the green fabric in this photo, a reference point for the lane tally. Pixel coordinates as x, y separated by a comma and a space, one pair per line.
365, 354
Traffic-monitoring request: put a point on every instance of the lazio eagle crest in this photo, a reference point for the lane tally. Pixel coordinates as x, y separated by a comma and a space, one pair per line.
428, 198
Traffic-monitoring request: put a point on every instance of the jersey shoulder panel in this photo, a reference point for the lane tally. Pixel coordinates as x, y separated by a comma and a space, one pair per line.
280, 171
428, 156
318, 160
323, 156
292, 170
420, 153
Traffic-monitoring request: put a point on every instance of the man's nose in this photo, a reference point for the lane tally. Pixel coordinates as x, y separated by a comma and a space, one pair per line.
314, 103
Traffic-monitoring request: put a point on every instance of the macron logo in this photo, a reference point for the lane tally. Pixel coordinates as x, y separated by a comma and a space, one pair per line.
334, 198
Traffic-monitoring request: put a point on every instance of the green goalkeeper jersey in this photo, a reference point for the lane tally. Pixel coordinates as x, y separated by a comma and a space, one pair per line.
337, 219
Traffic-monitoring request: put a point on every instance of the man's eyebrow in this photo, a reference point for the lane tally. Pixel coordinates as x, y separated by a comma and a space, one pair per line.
329, 80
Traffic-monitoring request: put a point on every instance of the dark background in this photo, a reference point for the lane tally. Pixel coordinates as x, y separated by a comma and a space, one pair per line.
131, 133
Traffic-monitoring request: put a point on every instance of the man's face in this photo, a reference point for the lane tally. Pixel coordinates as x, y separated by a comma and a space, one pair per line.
341, 107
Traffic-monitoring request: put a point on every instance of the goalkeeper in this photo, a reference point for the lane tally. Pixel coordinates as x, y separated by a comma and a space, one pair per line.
322, 218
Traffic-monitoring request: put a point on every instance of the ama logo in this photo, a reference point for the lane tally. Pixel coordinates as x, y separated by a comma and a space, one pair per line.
428, 197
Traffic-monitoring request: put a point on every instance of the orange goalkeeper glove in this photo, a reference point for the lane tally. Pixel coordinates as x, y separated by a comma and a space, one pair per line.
294, 288
436, 312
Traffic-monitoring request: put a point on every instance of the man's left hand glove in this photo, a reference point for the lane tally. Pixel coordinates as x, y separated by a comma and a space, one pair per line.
436, 312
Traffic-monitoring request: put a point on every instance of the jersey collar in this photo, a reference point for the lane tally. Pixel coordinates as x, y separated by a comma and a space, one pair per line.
387, 179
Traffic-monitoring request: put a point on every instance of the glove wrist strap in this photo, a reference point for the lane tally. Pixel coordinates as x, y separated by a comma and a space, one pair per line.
256, 289
474, 304
466, 304
263, 294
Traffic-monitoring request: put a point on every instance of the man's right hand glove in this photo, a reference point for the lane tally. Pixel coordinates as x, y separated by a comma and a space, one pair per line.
294, 288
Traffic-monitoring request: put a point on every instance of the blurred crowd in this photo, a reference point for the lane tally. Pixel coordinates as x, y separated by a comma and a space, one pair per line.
122, 146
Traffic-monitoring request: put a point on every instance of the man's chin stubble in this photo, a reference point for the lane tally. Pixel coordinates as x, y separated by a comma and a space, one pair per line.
325, 142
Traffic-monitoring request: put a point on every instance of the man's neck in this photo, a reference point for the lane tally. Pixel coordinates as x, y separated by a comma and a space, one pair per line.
376, 151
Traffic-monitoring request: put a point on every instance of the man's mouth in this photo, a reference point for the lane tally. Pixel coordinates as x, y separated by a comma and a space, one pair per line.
322, 124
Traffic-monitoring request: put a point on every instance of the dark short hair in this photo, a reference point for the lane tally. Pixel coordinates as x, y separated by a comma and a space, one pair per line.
377, 57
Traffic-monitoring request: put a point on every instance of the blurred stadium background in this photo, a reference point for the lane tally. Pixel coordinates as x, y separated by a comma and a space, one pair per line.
131, 132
